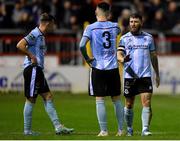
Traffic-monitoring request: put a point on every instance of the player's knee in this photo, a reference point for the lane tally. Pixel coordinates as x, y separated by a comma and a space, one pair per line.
31, 100
129, 106
147, 103
129, 102
47, 96
99, 98
115, 98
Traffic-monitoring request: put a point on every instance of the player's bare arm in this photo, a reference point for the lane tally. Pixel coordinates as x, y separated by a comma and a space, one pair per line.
120, 56
83, 50
154, 61
22, 46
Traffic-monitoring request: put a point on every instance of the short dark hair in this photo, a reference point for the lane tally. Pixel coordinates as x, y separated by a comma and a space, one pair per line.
45, 17
104, 6
136, 15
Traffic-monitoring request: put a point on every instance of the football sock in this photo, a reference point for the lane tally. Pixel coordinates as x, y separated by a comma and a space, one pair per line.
49, 106
146, 117
119, 113
101, 114
128, 115
28, 107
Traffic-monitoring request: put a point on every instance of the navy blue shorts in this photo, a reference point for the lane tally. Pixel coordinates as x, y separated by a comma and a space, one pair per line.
104, 82
34, 81
135, 86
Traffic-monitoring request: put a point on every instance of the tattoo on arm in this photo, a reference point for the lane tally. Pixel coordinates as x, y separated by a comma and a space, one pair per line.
154, 61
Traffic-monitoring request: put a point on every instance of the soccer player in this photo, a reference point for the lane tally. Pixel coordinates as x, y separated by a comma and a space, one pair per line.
33, 46
137, 51
104, 74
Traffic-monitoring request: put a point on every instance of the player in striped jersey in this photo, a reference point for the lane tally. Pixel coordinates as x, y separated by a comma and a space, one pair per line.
33, 46
137, 51
104, 74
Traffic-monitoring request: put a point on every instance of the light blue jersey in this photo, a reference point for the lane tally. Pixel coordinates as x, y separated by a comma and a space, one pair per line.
102, 36
36, 45
139, 48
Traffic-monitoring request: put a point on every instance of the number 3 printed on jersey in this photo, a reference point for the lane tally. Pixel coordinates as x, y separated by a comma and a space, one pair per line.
107, 36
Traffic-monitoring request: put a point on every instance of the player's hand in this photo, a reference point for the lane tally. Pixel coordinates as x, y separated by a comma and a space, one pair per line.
34, 60
127, 58
120, 59
157, 81
89, 61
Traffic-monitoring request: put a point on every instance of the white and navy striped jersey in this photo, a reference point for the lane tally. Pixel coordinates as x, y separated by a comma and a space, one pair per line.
36, 45
102, 36
139, 48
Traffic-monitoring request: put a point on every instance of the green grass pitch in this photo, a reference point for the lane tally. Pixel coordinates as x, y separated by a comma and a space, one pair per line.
78, 111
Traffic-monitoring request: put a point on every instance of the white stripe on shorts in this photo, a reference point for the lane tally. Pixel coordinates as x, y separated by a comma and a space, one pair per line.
90, 83
32, 85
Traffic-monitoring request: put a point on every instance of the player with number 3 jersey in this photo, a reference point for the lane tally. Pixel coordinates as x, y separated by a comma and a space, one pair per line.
102, 36
104, 73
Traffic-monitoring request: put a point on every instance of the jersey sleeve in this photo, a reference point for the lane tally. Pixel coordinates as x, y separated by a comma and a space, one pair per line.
152, 46
30, 38
87, 32
121, 46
